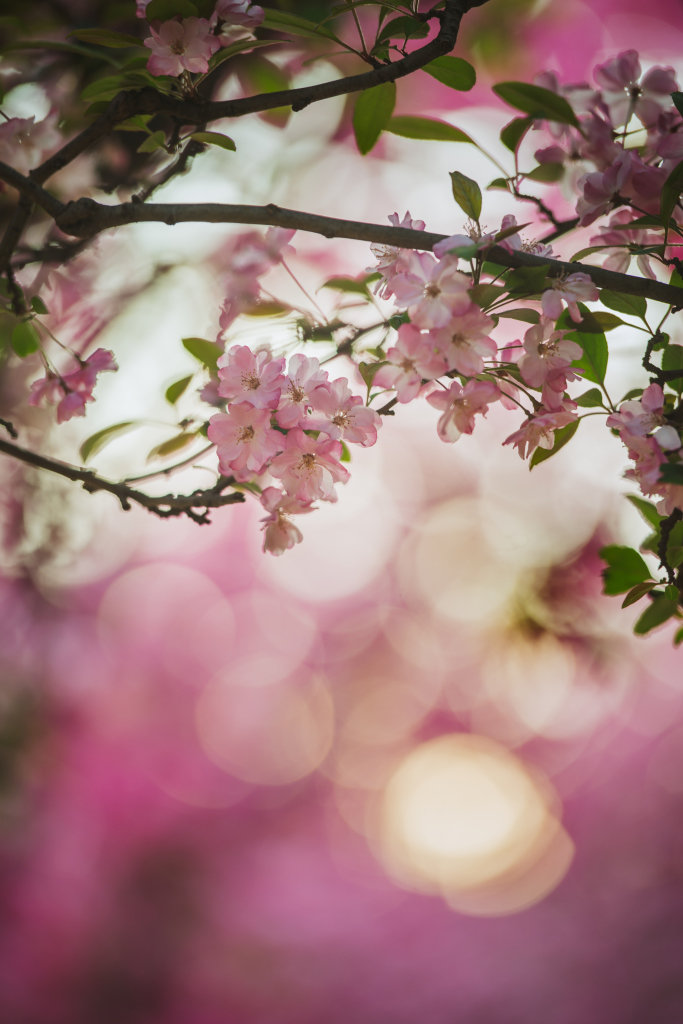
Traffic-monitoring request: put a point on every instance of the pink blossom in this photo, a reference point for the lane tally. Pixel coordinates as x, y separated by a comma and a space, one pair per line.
624, 95
617, 236
230, 13
343, 415
389, 256
249, 255
72, 390
304, 376
601, 189
244, 439
547, 350
183, 44
431, 289
254, 377
572, 289
411, 360
279, 532
25, 142
464, 342
635, 418
309, 467
514, 242
460, 405
538, 431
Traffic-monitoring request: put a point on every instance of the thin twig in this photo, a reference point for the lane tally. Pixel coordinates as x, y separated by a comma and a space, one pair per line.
164, 506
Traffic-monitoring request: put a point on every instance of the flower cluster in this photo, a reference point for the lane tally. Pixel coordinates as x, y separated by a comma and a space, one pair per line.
187, 44
649, 439
615, 175
290, 422
70, 391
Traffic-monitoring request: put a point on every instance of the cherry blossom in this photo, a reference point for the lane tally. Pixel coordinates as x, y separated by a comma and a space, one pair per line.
547, 351
389, 257
245, 440
25, 142
279, 532
181, 45
309, 467
616, 237
230, 14
625, 95
465, 342
635, 418
572, 289
249, 255
538, 431
430, 289
343, 416
254, 377
459, 406
304, 375
411, 360
71, 391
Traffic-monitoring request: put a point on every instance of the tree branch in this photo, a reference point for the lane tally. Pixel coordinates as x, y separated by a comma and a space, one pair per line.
200, 111
165, 506
85, 217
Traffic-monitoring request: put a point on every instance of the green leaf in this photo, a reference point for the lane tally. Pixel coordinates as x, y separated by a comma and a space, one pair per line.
661, 609
635, 593
345, 453
485, 294
671, 191
503, 183
96, 442
591, 399
672, 360
292, 24
536, 101
207, 352
164, 10
352, 285
606, 321
372, 114
562, 437
103, 89
625, 567
38, 306
103, 37
593, 362
677, 97
403, 28
266, 307
454, 72
170, 447
527, 316
631, 305
175, 390
513, 133
154, 141
25, 339
467, 194
526, 281
426, 128
214, 139
369, 370
671, 473
546, 173
646, 509
588, 324
678, 635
